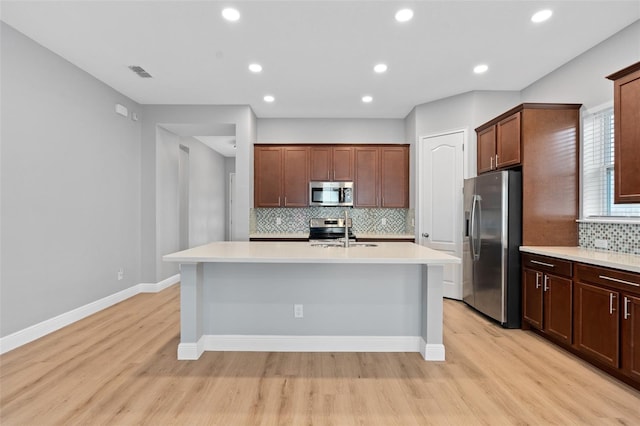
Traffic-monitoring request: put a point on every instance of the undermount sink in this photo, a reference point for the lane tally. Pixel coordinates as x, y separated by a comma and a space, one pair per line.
327, 245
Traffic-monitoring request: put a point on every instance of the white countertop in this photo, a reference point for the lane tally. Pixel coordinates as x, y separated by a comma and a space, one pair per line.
623, 261
304, 252
305, 235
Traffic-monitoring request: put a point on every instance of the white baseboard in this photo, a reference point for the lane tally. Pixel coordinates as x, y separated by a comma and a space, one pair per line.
271, 343
36, 331
431, 352
191, 351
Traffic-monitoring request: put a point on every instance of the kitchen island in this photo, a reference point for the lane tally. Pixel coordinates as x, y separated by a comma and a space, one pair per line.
241, 296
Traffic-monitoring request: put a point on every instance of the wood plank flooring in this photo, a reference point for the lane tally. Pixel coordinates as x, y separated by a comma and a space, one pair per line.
119, 367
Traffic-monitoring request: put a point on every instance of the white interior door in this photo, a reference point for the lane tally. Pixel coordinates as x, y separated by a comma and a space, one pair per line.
441, 180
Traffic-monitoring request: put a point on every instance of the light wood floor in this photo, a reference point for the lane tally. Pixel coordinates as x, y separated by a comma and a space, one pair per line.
119, 367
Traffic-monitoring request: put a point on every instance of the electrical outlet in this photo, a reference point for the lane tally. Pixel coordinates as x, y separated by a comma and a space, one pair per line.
120, 274
383, 221
298, 311
278, 221
601, 244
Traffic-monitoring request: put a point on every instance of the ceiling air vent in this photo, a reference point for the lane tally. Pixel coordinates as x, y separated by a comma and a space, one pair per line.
140, 71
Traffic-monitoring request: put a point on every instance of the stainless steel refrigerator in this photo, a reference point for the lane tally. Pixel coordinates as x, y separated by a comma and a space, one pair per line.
492, 237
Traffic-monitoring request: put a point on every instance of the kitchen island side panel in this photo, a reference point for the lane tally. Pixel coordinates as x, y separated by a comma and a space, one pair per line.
337, 299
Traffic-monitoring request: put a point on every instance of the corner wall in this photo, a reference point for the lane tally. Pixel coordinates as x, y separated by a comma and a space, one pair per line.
70, 186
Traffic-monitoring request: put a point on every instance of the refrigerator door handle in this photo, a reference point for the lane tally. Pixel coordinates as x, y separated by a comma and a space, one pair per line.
475, 210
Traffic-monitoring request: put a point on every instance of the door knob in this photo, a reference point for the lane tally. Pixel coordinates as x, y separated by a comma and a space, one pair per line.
426, 235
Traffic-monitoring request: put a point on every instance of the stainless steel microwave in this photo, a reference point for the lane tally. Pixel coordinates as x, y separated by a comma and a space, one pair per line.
331, 194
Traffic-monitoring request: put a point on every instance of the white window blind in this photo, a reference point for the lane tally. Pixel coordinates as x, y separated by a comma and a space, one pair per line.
597, 169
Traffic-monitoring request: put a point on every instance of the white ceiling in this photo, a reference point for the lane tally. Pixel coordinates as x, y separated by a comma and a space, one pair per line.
317, 56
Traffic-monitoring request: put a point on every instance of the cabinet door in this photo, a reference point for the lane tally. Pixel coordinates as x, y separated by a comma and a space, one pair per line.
267, 176
508, 141
394, 177
486, 149
597, 327
320, 163
342, 164
630, 338
366, 177
532, 297
627, 138
558, 311
296, 176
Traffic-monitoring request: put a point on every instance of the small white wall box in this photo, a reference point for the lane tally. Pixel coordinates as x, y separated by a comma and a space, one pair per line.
122, 110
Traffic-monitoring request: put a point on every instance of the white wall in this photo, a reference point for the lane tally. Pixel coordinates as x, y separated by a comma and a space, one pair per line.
582, 80
70, 186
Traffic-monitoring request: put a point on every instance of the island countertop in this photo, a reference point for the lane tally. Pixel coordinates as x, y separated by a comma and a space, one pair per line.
305, 252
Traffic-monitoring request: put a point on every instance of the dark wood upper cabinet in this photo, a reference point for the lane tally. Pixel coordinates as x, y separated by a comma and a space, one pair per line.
508, 141
486, 149
281, 176
296, 176
268, 162
394, 177
367, 168
331, 163
626, 111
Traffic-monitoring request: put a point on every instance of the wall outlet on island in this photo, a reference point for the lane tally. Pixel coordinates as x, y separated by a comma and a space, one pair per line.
298, 311
601, 244
120, 274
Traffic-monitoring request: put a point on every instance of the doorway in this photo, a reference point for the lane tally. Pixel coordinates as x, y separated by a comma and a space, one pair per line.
440, 185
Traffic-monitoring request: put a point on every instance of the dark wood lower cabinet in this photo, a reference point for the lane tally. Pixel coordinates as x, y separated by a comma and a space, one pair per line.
591, 311
558, 307
598, 323
630, 336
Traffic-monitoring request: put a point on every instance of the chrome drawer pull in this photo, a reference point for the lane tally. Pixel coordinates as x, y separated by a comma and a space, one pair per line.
604, 277
543, 264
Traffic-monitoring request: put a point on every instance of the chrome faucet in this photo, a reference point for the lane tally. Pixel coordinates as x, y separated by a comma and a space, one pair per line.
346, 229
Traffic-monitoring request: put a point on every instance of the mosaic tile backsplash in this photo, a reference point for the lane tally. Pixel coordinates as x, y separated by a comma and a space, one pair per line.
621, 237
398, 221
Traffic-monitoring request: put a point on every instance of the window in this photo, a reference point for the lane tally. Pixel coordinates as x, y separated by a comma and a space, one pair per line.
597, 169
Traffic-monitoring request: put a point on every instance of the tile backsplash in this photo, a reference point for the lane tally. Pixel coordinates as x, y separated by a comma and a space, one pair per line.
621, 237
379, 221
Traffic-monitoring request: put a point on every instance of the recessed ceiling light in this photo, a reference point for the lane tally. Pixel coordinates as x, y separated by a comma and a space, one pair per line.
255, 67
404, 15
269, 98
479, 69
541, 16
367, 99
380, 68
230, 14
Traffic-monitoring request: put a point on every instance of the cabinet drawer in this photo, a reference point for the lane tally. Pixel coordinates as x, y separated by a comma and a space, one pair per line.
547, 264
626, 281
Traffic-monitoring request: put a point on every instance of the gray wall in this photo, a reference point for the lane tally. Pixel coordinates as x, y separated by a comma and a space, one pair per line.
582, 80
154, 231
327, 130
207, 196
70, 186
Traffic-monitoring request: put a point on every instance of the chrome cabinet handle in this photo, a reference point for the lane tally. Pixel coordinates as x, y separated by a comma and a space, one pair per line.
626, 307
549, 265
496, 161
604, 277
546, 283
278, 200
537, 280
491, 167
611, 308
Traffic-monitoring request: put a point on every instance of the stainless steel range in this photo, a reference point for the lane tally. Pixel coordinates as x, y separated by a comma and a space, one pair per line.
323, 229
